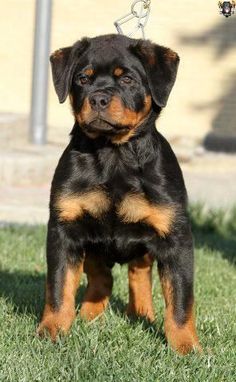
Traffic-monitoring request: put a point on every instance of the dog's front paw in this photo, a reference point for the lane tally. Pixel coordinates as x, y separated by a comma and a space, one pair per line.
54, 323
185, 346
183, 340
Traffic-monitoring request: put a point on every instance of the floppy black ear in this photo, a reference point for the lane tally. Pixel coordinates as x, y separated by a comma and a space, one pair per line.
63, 64
161, 65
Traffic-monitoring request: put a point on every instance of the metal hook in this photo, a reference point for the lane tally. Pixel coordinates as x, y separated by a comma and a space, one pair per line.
142, 17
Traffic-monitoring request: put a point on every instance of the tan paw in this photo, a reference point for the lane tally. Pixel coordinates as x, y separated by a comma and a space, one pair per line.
90, 310
54, 323
183, 340
143, 312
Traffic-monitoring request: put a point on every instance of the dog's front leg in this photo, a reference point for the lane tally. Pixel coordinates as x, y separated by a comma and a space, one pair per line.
63, 276
176, 275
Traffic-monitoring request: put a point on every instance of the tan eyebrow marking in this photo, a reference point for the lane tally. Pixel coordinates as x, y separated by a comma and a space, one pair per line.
89, 72
118, 72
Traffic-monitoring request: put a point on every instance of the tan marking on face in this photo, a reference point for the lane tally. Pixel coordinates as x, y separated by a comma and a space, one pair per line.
89, 72
99, 287
83, 116
136, 208
118, 114
62, 319
72, 207
140, 288
84, 113
118, 72
126, 117
182, 338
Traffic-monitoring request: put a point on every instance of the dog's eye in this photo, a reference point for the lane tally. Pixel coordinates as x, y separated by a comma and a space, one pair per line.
126, 80
83, 80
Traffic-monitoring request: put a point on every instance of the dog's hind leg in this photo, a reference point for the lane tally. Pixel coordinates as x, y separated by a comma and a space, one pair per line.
140, 288
99, 287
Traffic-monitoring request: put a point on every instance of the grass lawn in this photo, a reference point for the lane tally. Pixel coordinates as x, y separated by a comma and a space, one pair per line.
115, 349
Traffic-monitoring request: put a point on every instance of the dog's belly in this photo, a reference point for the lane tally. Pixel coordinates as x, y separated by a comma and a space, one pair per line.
117, 241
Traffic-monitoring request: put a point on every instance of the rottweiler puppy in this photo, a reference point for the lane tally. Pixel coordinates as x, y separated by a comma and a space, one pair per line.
118, 194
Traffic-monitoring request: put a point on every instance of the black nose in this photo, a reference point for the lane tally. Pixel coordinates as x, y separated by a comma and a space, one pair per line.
99, 101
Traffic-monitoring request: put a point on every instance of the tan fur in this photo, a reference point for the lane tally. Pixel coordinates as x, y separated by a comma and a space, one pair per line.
135, 208
126, 117
89, 72
122, 138
61, 320
140, 288
99, 287
118, 72
84, 113
182, 338
72, 207
117, 113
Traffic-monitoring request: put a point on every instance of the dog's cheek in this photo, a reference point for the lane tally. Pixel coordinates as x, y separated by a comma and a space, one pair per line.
139, 102
82, 112
116, 109
125, 116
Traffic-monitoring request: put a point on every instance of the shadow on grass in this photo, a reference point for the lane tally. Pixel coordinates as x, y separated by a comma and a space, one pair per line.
151, 327
215, 230
154, 329
25, 292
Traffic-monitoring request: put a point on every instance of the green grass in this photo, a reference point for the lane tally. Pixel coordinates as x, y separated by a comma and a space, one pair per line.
115, 349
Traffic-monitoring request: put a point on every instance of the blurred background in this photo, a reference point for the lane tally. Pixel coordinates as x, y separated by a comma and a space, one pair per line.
199, 120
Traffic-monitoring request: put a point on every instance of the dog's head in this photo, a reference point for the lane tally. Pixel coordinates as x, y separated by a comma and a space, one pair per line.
113, 82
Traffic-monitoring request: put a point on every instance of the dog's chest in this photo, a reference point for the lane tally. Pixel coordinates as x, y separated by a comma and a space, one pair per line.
110, 187
115, 170
119, 172
101, 183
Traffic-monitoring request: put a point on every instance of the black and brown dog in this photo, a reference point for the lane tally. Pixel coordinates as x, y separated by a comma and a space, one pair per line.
118, 194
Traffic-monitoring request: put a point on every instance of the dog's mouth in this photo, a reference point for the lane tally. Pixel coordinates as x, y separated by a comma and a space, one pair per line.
102, 125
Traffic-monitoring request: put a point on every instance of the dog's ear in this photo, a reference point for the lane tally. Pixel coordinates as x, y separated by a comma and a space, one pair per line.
63, 64
161, 65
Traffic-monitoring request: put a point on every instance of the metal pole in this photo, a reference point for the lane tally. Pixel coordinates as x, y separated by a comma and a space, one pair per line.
39, 97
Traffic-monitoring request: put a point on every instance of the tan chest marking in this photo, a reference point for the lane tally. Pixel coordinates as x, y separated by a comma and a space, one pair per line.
72, 207
136, 208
